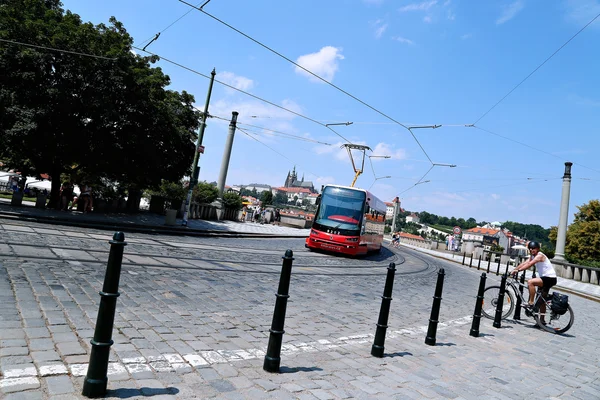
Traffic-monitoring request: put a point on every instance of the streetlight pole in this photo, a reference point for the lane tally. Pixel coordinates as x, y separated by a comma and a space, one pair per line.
199, 149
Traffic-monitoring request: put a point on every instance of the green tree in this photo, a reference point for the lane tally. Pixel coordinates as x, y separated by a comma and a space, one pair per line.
266, 198
280, 198
583, 235
105, 118
205, 193
232, 201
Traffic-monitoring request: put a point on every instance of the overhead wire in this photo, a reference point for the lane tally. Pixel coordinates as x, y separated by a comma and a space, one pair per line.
244, 131
167, 27
537, 68
307, 71
241, 91
58, 50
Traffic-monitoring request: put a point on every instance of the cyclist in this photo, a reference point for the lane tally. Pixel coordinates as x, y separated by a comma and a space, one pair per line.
395, 239
547, 275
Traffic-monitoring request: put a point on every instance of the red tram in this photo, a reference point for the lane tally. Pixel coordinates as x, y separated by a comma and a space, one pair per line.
348, 221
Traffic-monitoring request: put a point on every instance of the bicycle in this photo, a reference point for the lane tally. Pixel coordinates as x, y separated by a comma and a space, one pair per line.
555, 324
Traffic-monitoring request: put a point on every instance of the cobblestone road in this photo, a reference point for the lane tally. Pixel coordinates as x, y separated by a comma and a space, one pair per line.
194, 315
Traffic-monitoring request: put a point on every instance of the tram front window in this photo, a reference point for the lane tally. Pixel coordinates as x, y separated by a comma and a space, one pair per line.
341, 210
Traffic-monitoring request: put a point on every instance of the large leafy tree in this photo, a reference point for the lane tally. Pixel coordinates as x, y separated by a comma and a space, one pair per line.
583, 235
109, 117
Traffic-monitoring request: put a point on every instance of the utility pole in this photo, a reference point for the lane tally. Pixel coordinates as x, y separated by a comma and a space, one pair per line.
199, 149
227, 154
561, 236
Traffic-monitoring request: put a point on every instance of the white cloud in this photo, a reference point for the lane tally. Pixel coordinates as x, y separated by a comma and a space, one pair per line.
403, 40
384, 149
451, 16
423, 6
237, 81
380, 30
223, 108
466, 36
447, 3
495, 196
323, 63
582, 11
427, 19
510, 11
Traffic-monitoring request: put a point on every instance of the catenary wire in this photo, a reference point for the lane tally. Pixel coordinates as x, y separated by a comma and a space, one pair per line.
245, 132
58, 50
535, 70
309, 72
281, 134
167, 27
241, 91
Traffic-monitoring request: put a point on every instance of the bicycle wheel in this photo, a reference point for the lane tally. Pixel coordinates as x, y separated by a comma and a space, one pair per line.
490, 302
552, 322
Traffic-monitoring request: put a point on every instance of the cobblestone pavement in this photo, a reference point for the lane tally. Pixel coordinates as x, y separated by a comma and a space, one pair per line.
194, 315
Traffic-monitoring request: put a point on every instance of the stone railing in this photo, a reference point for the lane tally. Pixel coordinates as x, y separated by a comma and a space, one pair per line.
295, 221
576, 272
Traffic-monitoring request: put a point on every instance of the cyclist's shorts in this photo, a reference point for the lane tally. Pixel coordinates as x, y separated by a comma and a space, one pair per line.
548, 283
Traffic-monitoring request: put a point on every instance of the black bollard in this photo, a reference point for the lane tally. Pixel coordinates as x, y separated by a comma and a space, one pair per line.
489, 262
500, 305
435, 309
384, 312
464, 255
533, 273
478, 305
479, 263
499, 258
471, 262
506, 270
273, 356
518, 304
96, 378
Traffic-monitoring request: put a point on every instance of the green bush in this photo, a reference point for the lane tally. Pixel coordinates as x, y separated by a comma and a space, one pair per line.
232, 201
205, 193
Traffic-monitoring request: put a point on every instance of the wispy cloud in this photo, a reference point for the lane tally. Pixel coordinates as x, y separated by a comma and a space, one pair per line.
380, 28
385, 149
582, 11
403, 40
510, 11
323, 63
423, 6
427, 19
583, 101
237, 81
466, 36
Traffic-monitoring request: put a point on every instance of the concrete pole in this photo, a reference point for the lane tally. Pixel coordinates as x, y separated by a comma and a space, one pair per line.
395, 201
227, 154
199, 149
561, 238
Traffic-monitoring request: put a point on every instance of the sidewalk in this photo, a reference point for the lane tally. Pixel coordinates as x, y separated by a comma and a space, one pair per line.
144, 222
583, 289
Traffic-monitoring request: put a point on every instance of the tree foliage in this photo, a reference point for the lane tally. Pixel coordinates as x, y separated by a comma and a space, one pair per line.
583, 235
232, 201
530, 232
205, 193
280, 198
432, 219
266, 198
110, 117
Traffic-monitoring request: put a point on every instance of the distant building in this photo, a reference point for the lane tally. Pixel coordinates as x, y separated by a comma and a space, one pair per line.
413, 218
258, 186
291, 181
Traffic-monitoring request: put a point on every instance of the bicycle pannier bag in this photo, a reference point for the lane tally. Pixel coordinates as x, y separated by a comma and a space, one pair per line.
560, 302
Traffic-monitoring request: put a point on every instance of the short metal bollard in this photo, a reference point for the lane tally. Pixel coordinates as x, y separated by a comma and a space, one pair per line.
273, 356
517, 314
96, 378
498, 269
489, 262
471, 261
498, 317
464, 255
435, 309
384, 312
479, 264
478, 305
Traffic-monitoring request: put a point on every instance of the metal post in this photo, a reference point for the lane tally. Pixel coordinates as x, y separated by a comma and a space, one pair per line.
396, 202
561, 235
499, 258
533, 272
479, 264
506, 270
96, 378
386, 299
464, 255
500, 305
227, 154
489, 262
435, 309
272, 358
478, 304
195, 167
518, 304
471, 261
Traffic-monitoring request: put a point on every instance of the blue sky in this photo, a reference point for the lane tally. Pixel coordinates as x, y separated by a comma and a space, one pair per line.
427, 62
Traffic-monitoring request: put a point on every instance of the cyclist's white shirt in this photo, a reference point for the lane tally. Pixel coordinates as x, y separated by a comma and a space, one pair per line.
545, 268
